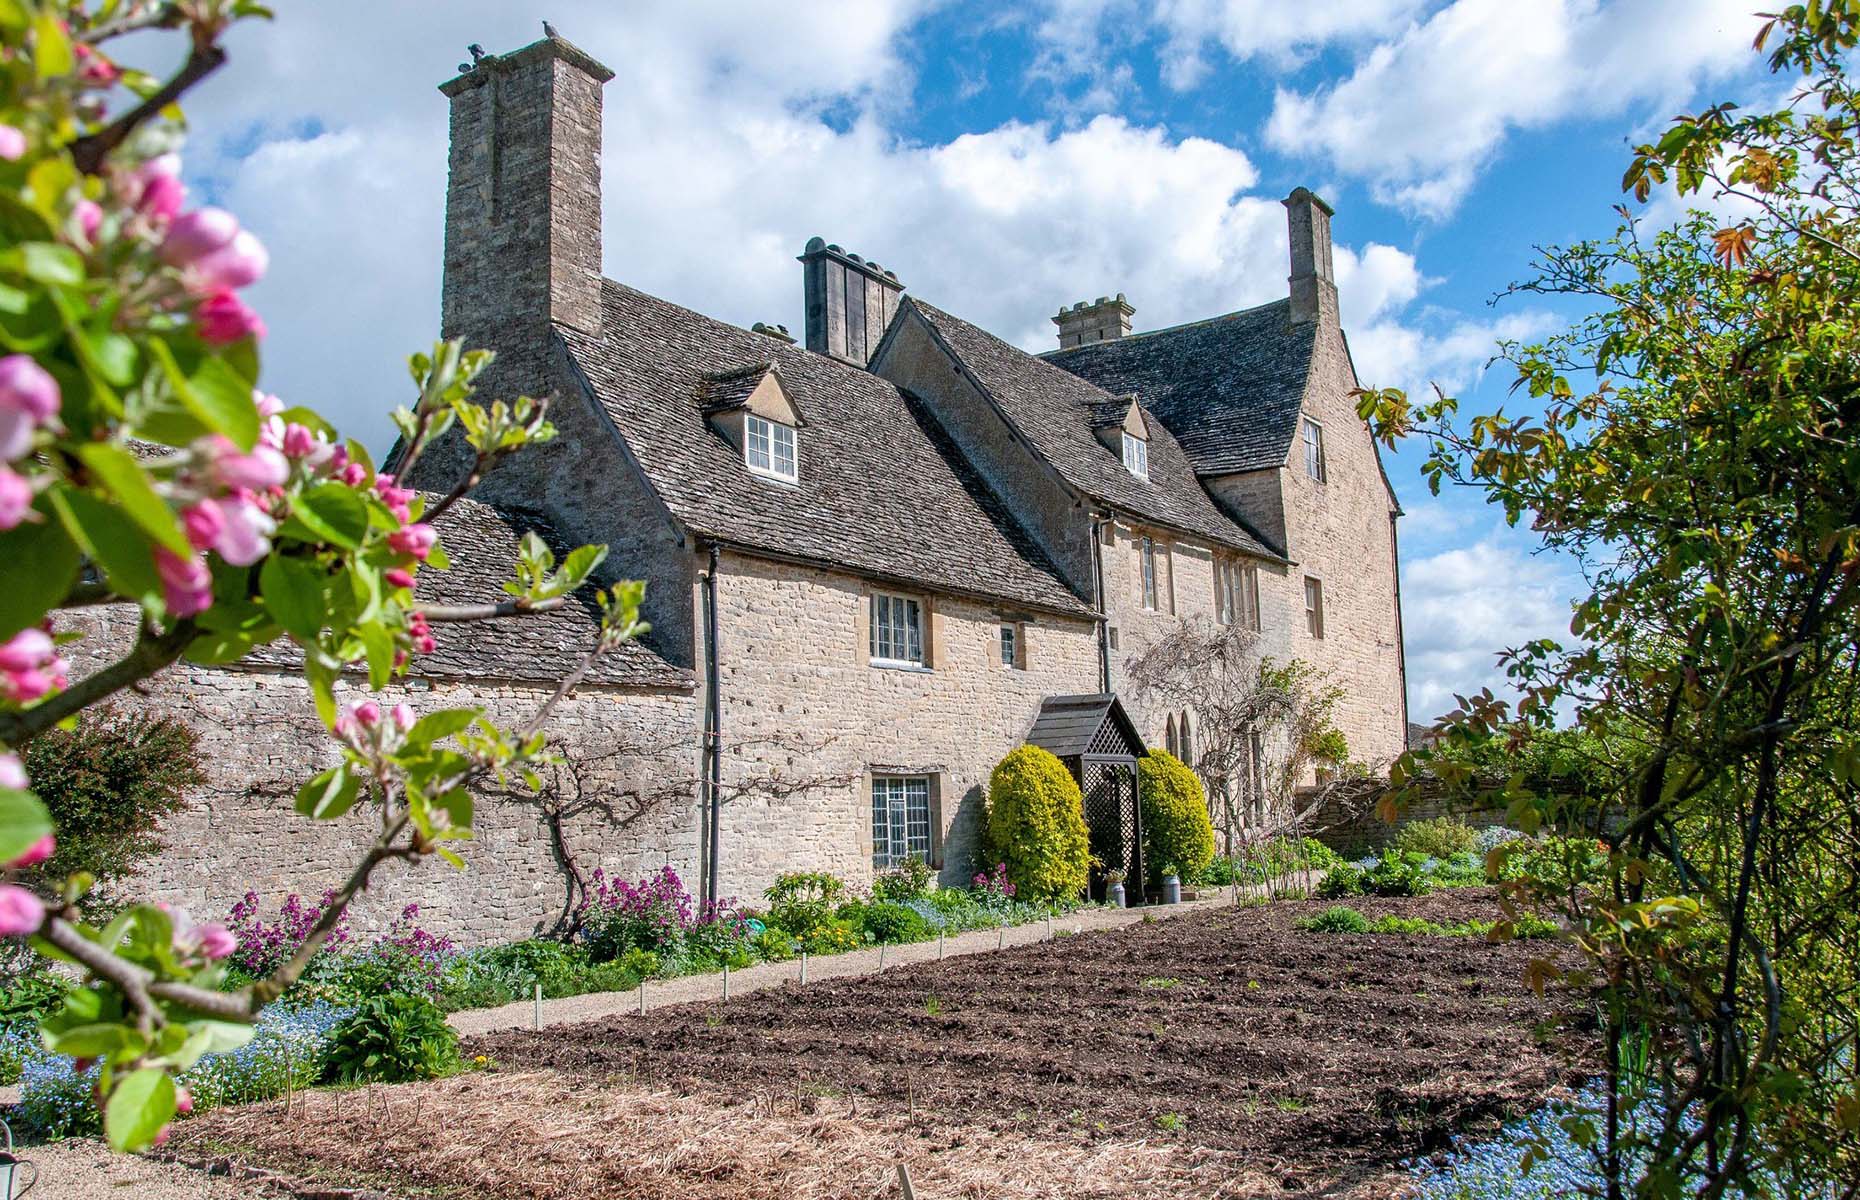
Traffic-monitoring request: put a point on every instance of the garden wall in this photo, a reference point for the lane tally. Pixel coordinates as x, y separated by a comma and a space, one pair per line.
1346, 819
634, 809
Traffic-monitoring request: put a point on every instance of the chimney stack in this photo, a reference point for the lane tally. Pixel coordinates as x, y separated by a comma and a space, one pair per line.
1314, 286
1103, 320
523, 198
850, 302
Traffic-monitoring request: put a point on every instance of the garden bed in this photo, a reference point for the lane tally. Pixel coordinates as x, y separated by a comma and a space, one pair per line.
1251, 1053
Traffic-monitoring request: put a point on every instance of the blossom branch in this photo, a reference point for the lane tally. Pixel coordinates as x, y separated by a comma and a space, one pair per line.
89, 152
153, 652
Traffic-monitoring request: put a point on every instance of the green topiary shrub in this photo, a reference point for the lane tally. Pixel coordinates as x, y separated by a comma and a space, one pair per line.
1440, 837
395, 1038
1176, 829
1036, 824
1339, 918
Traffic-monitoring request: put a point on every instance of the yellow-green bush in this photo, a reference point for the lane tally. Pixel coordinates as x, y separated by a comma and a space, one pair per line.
1036, 824
1176, 828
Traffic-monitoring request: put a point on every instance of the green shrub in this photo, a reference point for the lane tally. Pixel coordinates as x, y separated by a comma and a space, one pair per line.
774, 945
832, 937
109, 783
1270, 859
395, 1038
800, 900
1398, 873
889, 921
1439, 837
1036, 824
1410, 926
1339, 918
909, 880
1176, 828
1340, 881
609, 977
640, 963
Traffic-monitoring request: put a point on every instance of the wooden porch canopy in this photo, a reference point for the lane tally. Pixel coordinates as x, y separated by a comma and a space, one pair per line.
1099, 744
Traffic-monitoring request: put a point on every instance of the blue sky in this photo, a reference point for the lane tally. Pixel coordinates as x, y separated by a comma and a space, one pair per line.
1004, 160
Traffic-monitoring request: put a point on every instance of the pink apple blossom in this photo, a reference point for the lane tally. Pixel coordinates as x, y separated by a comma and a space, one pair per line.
245, 529
30, 666
239, 263
235, 469
15, 497
36, 853
21, 912
12, 143
398, 499
223, 318
398, 577
196, 234
353, 474
203, 524
187, 585
13, 772
89, 217
403, 717
416, 540
29, 398
184, 1099
216, 942
421, 633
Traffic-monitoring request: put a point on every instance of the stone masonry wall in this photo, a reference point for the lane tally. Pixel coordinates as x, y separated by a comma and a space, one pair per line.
801, 701
260, 738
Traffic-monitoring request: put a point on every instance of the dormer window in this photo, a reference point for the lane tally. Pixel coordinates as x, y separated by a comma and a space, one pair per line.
1136, 456
769, 448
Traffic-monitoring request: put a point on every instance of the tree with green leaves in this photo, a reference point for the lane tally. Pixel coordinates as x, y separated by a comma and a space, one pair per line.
141, 466
1694, 444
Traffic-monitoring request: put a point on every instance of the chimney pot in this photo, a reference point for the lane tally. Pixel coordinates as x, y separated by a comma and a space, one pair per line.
1103, 320
850, 301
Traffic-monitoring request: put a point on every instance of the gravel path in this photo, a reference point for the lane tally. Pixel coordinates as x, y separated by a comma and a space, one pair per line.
84, 1169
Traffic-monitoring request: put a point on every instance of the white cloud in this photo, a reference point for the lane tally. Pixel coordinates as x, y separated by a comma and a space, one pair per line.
1269, 29
719, 164
1442, 349
1422, 114
1460, 608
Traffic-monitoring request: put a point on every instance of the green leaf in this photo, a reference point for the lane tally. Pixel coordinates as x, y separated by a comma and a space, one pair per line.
113, 541
435, 726
295, 592
215, 393
118, 470
334, 513
23, 821
91, 1041
48, 262
28, 594
139, 1108
51, 46
378, 643
321, 674
328, 795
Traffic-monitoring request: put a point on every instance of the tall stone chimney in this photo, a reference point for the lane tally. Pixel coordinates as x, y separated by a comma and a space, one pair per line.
1314, 285
850, 301
523, 201
1103, 320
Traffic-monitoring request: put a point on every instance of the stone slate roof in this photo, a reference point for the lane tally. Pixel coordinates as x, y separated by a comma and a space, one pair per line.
882, 490
1069, 725
544, 647
1229, 388
1056, 411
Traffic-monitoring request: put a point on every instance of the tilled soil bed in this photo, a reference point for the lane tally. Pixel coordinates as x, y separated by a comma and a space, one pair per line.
1253, 1057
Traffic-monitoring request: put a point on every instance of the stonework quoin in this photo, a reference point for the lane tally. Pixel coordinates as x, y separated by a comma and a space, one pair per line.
523, 197
1102, 320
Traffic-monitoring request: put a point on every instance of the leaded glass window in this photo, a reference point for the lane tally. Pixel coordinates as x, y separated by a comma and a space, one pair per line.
900, 819
897, 630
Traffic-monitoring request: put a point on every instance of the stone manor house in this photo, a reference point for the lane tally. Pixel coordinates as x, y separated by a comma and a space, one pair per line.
871, 557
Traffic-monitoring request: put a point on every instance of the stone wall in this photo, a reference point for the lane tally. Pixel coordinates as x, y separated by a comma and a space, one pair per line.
802, 702
260, 738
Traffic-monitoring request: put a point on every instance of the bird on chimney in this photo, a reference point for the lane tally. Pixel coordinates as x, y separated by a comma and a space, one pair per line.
477, 52
549, 31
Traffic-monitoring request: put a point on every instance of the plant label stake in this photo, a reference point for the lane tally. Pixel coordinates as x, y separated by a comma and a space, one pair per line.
939, 945
803, 968
1000, 936
881, 956
536, 1011
726, 982
904, 1182
1049, 928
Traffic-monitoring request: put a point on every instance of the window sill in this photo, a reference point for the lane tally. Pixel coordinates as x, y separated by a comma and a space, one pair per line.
892, 664
772, 477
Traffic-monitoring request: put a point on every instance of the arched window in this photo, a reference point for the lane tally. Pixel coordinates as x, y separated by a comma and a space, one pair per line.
1169, 742
1187, 740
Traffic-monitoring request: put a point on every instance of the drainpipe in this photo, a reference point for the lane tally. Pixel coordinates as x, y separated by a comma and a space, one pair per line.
713, 728
1401, 639
1104, 620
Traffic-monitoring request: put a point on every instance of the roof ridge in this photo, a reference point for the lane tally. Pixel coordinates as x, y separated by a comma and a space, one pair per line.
1176, 328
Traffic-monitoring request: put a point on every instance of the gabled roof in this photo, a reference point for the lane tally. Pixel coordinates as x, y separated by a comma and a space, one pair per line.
541, 647
1229, 388
1055, 411
882, 491
1069, 726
